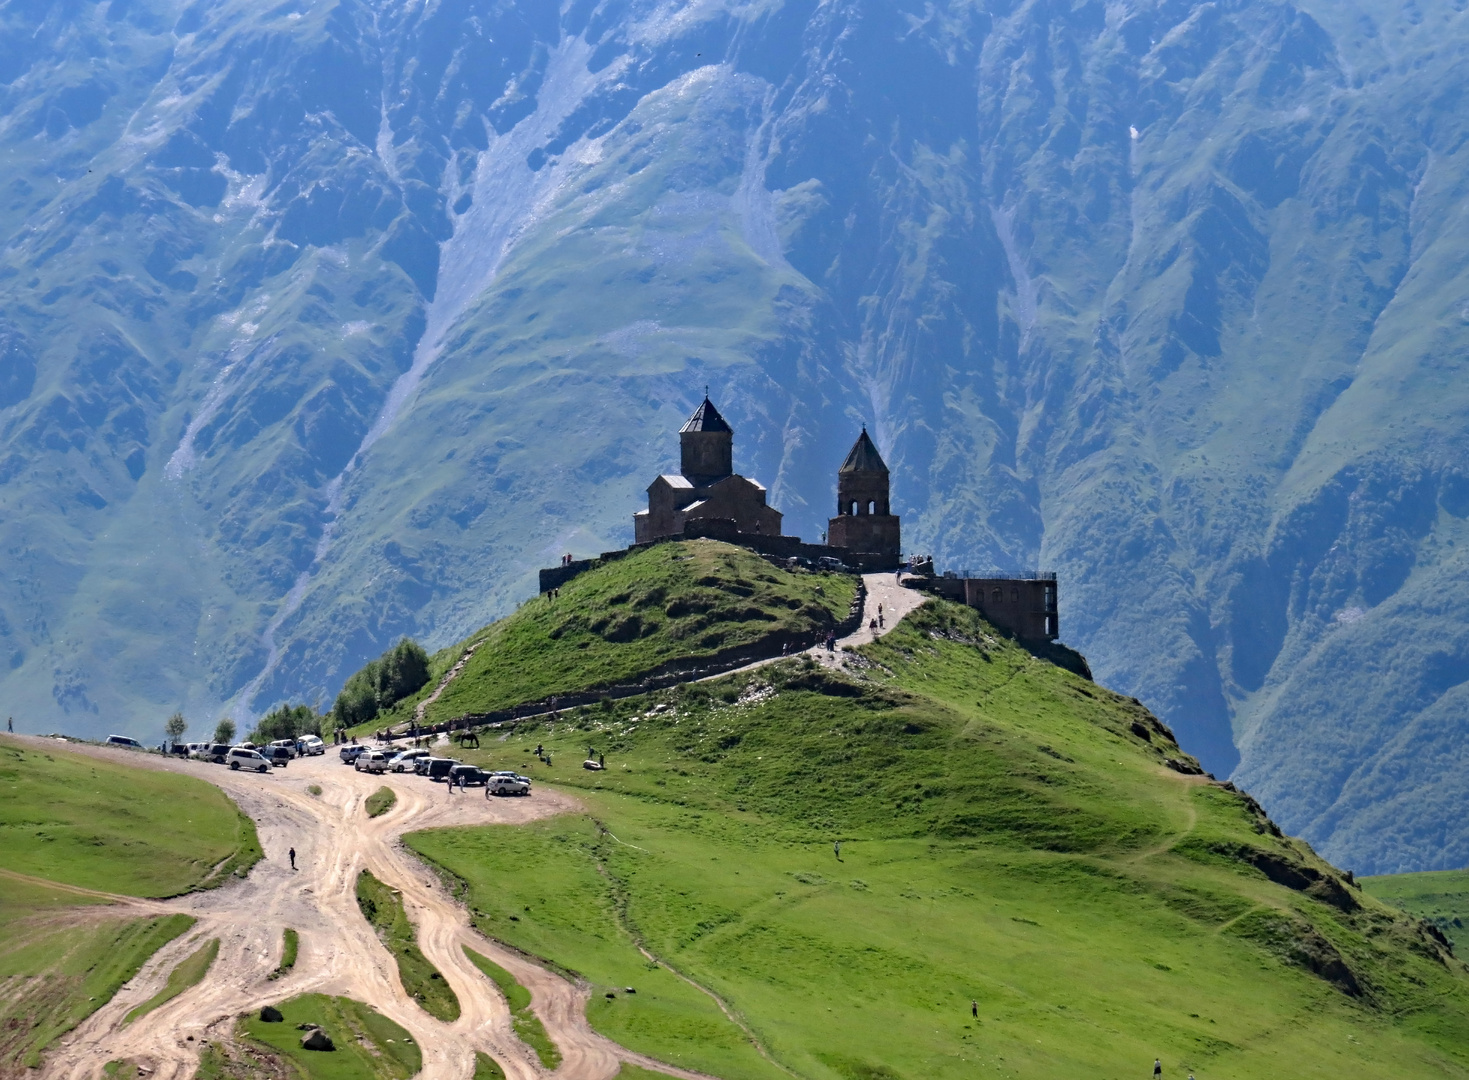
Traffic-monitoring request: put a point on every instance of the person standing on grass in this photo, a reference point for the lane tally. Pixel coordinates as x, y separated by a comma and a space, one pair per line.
974, 1009
292, 854
1157, 1066
837, 850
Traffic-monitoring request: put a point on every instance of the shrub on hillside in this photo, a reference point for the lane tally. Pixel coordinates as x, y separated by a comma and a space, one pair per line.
287, 722
400, 671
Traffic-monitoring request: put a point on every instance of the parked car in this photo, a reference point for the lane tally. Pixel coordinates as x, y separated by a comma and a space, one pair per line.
351, 753
438, 767
420, 765
468, 775
404, 760
310, 746
507, 784
199, 751
374, 761
123, 740
216, 752
288, 745
279, 756
241, 758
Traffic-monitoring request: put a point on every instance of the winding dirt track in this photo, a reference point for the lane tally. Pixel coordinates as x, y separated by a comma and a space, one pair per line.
340, 954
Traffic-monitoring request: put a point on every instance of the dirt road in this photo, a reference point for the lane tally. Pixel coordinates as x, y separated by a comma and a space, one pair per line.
339, 954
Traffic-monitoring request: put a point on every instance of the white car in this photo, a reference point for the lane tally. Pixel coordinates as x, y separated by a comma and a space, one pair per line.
310, 746
503, 784
404, 760
241, 758
374, 761
288, 745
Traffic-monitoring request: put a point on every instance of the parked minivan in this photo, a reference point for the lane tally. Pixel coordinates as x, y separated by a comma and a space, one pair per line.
374, 761
403, 761
279, 756
123, 740
240, 758
438, 767
310, 745
288, 745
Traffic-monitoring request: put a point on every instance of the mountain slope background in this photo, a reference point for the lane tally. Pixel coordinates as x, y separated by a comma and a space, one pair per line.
329, 322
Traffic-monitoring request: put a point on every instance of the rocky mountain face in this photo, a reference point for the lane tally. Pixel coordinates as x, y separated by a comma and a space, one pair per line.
326, 322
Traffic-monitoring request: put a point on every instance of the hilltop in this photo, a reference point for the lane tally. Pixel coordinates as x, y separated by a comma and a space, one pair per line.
664, 609
1010, 834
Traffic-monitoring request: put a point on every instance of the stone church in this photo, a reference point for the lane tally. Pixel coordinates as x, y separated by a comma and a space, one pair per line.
706, 487
706, 497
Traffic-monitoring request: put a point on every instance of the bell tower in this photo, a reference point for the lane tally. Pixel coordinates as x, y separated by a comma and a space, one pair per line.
706, 446
864, 521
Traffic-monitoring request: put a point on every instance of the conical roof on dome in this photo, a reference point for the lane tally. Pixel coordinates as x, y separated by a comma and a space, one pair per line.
864, 456
706, 418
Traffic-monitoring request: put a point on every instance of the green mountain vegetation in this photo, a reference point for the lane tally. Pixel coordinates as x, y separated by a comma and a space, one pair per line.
329, 325
1440, 897
949, 858
70, 824
664, 607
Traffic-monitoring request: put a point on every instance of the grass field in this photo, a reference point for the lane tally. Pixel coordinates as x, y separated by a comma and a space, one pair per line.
81, 821
1439, 896
527, 1024
369, 1046
383, 908
60, 963
190, 972
380, 801
672, 601
75, 821
1011, 835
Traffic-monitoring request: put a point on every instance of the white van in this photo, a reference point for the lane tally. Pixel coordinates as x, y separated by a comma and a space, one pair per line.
404, 760
241, 758
374, 761
288, 745
310, 745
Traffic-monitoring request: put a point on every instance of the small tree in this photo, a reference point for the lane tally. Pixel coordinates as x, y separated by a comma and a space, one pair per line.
175, 726
224, 731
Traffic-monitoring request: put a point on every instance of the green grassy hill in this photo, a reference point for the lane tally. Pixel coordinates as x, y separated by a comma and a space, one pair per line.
1439, 896
1011, 835
70, 823
683, 602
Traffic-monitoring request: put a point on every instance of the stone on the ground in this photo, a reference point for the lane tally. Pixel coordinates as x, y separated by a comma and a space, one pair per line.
317, 1040
270, 1014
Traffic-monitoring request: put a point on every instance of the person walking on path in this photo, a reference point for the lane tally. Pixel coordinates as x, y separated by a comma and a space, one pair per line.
292, 854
